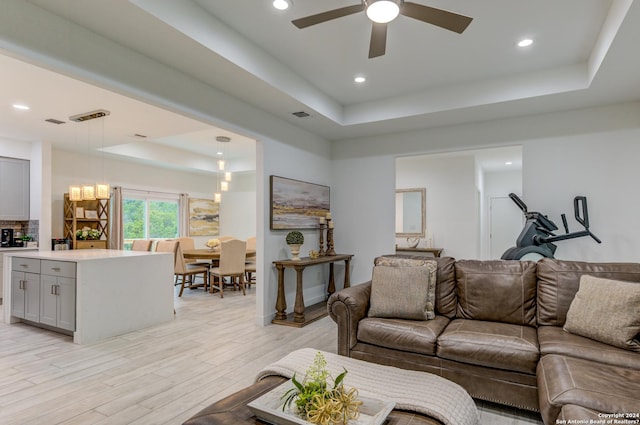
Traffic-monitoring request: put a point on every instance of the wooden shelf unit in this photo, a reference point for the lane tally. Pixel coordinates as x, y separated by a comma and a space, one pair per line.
72, 223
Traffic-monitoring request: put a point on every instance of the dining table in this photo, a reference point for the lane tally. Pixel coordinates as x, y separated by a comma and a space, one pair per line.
210, 254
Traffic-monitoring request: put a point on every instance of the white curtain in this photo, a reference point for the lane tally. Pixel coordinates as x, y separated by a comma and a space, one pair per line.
183, 213
117, 228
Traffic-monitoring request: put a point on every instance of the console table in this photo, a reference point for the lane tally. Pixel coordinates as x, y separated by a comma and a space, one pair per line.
316, 311
419, 251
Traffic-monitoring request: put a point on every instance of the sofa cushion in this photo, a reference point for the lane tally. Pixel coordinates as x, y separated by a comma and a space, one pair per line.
558, 282
491, 344
566, 380
403, 288
446, 297
498, 291
404, 335
554, 340
606, 310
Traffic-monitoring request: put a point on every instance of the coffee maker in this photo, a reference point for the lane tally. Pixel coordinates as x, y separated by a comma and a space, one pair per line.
7, 238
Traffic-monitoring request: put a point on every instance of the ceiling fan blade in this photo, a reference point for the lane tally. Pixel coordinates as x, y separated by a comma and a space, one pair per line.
442, 18
378, 43
319, 18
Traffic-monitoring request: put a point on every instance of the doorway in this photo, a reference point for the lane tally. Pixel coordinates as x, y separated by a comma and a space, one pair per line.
505, 224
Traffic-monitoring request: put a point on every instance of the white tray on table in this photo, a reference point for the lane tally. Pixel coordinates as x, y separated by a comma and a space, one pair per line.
268, 408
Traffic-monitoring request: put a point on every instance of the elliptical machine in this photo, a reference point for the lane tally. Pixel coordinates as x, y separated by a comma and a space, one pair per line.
537, 237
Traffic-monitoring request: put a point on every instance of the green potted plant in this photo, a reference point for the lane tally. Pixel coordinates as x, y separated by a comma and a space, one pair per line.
295, 239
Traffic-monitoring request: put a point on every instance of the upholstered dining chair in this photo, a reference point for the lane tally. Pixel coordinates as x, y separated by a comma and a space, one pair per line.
232, 256
188, 244
226, 238
141, 245
188, 272
250, 263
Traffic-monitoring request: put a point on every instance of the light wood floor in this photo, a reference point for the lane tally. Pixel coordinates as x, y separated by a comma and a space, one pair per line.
160, 375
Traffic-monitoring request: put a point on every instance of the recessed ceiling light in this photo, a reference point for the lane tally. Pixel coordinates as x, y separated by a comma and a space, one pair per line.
508, 163
281, 4
21, 107
525, 42
359, 79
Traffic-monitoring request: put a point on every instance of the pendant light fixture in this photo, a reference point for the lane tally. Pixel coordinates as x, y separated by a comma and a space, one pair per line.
90, 192
103, 190
223, 185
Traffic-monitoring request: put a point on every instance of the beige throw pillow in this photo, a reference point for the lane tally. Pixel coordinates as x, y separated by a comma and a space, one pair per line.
607, 311
403, 289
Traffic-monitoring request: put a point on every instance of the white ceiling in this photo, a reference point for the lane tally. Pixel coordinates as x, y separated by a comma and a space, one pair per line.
581, 57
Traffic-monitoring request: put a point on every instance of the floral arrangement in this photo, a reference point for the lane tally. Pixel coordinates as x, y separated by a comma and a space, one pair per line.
295, 238
321, 403
87, 233
213, 243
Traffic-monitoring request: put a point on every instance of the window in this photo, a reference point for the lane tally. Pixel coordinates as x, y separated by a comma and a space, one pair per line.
149, 217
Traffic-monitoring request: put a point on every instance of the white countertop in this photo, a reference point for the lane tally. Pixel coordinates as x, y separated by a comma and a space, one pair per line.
82, 254
18, 248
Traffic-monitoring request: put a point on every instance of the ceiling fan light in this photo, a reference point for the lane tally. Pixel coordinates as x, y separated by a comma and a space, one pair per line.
281, 4
383, 11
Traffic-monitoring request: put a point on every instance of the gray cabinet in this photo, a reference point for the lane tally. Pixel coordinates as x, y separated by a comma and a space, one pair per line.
44, 291
14, 189
58, 294
25, 289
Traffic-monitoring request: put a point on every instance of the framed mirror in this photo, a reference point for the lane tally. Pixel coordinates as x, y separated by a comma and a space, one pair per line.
410, 213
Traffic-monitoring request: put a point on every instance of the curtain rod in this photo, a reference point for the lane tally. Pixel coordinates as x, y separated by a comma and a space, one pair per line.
149, 192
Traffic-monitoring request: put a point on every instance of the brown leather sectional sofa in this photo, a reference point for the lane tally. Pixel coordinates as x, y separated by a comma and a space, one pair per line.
498, 332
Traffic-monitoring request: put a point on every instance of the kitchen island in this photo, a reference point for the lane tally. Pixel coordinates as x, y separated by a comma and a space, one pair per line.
89, 294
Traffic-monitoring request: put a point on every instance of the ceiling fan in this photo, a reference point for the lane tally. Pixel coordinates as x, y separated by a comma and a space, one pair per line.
382, 12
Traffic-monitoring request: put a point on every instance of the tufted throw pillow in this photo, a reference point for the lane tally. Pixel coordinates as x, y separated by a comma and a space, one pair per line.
607, 311
403, 289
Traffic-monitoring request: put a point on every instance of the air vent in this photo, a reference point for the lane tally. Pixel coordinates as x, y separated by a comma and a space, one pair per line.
90, 115
300, 114
54, 121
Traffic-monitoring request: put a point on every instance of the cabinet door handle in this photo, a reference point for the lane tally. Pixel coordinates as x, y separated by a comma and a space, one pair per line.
57, 289
22, 284
53, 289
24, 266
55, 269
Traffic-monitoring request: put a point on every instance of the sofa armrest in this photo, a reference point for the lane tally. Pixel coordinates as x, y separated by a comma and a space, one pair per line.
347, 308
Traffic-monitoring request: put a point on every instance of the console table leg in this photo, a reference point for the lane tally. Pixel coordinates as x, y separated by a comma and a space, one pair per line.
298, 310
281, 301
347, 276
332, 280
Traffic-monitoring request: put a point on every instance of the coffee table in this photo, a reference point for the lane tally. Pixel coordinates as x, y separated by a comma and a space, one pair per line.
233, 409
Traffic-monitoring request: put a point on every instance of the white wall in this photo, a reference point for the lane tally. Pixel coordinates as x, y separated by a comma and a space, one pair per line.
363, 205
604, 168
452, 220
312, 165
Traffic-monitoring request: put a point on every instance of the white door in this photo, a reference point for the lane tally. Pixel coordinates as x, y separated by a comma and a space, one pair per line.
506, 222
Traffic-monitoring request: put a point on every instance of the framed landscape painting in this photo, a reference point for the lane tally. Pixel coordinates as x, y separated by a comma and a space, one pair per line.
204, 217
296, 204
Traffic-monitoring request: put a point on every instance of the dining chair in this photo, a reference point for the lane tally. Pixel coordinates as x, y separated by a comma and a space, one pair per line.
250, 263
226, 238
141, 245
188, 272
188, 244
232, 256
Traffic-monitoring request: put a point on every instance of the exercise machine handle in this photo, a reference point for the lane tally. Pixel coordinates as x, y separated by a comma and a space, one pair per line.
519, 202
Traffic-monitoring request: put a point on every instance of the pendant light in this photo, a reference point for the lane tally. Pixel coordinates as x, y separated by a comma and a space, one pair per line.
103, 190
90, 192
